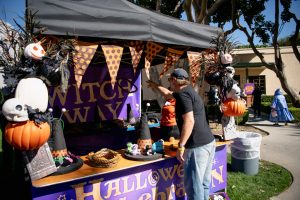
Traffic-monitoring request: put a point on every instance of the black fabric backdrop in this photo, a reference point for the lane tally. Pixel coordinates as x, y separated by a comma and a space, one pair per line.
118, 19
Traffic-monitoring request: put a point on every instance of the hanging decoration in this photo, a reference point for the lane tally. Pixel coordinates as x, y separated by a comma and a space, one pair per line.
136, 50
194, 62
113, 55
152, 49
172, 57
220, 74
84, 54
34, 51
24, 54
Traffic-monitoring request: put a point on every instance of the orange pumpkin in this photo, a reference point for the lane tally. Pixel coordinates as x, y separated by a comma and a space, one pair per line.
233, 107
27, 135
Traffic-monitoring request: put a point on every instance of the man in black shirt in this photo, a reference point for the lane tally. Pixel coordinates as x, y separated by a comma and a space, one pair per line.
196, 148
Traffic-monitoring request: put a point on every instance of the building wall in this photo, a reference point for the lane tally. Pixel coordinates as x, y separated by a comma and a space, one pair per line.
272, 82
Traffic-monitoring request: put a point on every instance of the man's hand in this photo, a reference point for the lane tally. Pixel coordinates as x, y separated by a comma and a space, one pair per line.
179, 155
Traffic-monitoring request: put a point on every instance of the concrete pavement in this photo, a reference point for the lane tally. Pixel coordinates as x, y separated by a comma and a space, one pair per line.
281, 146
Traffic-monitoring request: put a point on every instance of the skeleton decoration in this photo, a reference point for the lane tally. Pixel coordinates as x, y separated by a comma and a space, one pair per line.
14, 110
34, 51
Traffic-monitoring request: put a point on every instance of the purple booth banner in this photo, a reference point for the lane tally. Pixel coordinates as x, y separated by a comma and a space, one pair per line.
96, 99
158, 180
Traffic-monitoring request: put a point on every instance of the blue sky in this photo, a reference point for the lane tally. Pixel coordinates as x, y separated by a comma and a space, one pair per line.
15, 8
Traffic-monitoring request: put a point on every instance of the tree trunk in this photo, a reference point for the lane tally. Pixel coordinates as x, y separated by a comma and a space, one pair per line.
289, 90
279, 65
280, 73
158, 4
187, 7
293, 40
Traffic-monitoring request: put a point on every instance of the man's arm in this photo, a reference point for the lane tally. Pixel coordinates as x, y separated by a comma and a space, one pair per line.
187, 127
186, 131
167, 94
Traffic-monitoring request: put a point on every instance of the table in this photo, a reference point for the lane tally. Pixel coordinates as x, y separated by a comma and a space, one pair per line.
157, 179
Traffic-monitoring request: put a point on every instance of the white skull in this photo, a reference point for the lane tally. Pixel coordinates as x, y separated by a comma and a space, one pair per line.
234, 93
34, 51
14, 110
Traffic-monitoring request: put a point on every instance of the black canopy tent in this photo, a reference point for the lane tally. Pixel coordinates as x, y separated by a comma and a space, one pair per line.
118, 19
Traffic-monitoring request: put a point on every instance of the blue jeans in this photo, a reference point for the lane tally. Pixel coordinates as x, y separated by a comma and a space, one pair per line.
197, 171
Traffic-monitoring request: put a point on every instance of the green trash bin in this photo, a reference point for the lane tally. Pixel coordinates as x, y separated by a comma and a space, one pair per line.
245, 153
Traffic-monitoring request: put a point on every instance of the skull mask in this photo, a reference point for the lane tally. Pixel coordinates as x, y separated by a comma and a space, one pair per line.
34, 51
14, 110
235, 92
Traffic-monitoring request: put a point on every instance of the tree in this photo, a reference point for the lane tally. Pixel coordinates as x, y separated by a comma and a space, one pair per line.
265, 30
286, 41
166, 7
223, 11
286, 16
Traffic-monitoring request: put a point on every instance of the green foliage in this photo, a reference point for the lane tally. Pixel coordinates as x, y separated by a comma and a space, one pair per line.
266, 107
296, 113
257, 46
271, 180
242, 119
269, 98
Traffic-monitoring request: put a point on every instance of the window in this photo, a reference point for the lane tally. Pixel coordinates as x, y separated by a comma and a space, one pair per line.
259, 80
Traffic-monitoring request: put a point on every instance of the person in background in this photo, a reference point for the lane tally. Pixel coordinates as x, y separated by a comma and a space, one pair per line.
168, 123
256, 100
196, 148
279, 109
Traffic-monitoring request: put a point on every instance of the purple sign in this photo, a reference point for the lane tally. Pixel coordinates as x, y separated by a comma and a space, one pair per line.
97, 99
249, 87
158, 180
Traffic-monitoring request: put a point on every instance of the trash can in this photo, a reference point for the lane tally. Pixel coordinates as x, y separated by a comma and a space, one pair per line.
245, 153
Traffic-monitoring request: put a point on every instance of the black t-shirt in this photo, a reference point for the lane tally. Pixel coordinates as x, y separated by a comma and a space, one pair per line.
188, 100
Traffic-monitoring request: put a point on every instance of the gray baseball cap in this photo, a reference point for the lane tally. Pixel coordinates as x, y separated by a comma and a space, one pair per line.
180, 73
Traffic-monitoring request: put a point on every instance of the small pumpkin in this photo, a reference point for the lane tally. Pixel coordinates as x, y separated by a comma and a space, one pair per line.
27, 135
33, 92
234, 108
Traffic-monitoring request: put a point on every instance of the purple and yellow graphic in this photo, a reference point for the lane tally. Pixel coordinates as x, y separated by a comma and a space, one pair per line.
160, 180
96, 99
